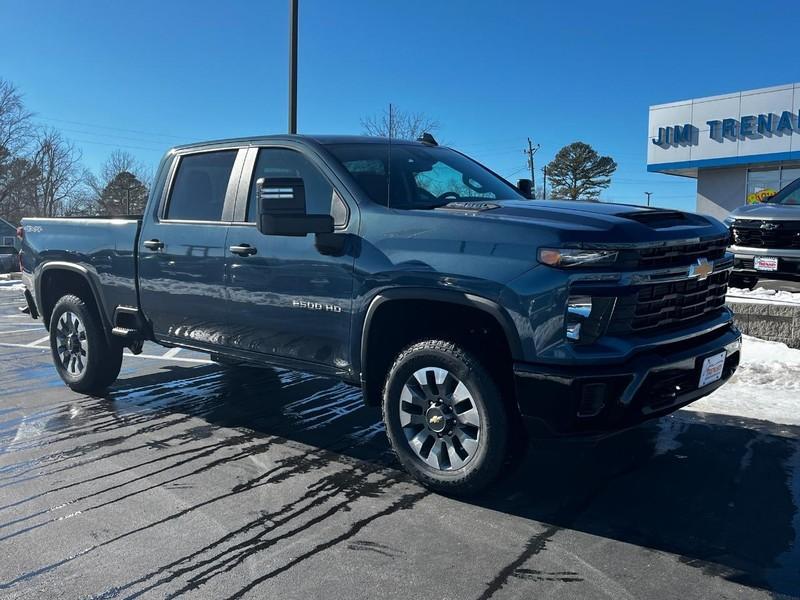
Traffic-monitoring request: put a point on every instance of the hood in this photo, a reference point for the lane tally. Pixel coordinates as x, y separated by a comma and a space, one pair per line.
595, 222
767, 211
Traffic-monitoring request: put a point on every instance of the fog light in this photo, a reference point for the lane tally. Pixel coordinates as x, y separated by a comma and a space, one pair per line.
579, 308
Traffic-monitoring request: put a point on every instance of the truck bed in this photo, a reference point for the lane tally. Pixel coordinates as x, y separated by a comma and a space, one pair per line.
102, 246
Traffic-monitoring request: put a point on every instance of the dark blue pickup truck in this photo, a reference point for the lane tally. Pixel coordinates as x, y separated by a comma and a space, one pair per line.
460, 306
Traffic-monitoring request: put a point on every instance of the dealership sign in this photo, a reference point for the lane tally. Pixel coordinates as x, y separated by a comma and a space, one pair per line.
747, 126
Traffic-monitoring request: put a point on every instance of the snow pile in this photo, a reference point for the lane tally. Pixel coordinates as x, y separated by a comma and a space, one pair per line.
766, 386
11, 285
763, 295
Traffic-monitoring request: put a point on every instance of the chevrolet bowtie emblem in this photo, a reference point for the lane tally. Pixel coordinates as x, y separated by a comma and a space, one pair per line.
701, 269
767, 226
435, 419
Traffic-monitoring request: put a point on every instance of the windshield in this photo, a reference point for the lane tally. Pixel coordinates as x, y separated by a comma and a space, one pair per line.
421, 177
788, 196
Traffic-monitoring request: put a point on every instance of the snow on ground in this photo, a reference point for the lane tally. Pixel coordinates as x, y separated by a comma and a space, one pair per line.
766, 386
763, 295
11, 285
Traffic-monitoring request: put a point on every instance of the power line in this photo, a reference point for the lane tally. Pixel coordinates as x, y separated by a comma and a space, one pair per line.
110, 136
510, 175
118, 145
95, 126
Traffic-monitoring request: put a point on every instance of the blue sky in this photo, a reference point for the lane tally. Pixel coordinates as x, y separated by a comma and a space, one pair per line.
149, 74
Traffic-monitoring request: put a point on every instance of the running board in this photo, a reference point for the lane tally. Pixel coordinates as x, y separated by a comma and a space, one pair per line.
125, 332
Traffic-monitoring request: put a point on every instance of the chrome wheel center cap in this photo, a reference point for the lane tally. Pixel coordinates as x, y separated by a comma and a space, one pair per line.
437, 421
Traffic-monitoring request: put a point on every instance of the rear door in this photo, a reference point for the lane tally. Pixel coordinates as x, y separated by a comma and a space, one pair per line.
291, 297
182, 248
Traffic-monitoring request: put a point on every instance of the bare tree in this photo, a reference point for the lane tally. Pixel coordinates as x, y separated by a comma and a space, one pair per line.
58, 173
15, 121
16, 133
402, 125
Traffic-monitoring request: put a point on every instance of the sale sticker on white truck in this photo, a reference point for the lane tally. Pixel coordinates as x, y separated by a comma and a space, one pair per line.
765, 263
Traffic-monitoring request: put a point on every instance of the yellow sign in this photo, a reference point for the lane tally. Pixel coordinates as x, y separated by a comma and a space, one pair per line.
761, 195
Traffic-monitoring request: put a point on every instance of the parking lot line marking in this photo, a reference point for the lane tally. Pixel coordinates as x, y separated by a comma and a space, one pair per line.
199, 361
202, 361
39, 341
171, 352
20, 330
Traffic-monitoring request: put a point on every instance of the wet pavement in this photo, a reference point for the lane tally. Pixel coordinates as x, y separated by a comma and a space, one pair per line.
191, 480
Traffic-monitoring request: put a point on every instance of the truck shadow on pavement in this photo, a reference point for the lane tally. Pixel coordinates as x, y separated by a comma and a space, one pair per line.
721, 493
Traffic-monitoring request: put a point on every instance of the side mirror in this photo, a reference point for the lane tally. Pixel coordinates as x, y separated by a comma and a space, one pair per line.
282, 208
525, 187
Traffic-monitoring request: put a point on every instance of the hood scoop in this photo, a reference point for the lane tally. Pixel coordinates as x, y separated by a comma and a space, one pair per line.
474, 206
660, 219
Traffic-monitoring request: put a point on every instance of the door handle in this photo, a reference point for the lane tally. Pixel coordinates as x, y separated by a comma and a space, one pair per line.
243, 250
153, 245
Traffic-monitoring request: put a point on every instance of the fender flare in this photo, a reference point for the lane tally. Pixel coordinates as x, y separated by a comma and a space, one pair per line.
490, 307
91, 279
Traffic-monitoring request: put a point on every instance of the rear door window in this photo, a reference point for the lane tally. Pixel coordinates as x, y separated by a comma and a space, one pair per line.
199, 188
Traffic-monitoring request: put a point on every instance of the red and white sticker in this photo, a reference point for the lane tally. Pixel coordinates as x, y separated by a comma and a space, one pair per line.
765, 263
712, 369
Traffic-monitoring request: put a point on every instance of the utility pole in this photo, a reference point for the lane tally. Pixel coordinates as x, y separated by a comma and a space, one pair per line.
293, 8
544, 184
530, 152
648, 194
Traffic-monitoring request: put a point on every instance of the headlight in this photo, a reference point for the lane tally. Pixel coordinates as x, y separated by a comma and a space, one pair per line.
573, 257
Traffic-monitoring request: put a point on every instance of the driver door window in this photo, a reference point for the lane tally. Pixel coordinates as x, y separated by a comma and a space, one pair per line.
281, 162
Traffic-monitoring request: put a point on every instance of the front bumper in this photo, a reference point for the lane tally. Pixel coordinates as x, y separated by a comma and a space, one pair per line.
788, 262
598, 400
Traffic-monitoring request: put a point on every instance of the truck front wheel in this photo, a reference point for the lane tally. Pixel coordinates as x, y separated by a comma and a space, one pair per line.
444, 418
83, 357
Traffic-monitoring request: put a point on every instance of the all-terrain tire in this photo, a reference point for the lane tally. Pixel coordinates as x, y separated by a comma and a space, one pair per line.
83, 356
455, 470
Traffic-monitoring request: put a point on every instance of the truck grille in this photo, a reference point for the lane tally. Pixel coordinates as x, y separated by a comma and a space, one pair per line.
683, 254
766, 234
670, 304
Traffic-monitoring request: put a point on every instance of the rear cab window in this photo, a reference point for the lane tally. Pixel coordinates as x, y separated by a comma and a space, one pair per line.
199, 186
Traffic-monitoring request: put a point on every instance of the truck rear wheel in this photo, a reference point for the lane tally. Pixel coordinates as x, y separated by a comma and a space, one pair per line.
444, 418
83, 357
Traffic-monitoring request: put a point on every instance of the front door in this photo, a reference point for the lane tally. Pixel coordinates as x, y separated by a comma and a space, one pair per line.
182, 250
291, 296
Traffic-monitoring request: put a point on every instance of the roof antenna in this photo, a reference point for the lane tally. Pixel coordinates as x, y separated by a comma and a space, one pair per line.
427, 138
389, 160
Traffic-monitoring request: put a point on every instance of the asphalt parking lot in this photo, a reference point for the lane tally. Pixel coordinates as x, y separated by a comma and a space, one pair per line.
190, 480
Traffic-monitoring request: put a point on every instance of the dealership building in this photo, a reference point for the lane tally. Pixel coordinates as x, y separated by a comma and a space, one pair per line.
741, 147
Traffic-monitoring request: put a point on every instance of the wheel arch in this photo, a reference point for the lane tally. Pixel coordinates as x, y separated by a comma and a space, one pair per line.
57, 279
453, 306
